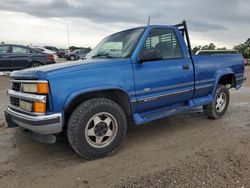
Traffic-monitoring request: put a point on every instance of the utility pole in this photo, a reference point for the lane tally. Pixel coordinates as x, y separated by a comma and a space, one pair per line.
68, 35
148, 21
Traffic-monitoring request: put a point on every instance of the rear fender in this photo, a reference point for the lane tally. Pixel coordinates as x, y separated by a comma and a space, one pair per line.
218, 77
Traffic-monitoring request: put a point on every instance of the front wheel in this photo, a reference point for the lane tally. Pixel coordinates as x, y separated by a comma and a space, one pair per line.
35, 64
219, 106
96, 128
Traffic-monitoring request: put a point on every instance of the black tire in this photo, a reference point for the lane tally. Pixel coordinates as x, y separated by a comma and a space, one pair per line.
80, 118
210, 110
72, 57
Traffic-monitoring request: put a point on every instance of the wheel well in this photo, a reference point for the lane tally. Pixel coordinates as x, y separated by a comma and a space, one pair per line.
115, 95
36, 62
228, 79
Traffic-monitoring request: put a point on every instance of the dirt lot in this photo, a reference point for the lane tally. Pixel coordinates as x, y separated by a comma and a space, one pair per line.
186, 150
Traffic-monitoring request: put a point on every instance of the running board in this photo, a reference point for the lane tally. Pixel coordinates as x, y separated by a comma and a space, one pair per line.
157, 114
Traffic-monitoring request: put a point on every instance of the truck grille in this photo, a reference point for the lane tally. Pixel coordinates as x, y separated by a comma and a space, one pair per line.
16, 86
14, 101
23, 101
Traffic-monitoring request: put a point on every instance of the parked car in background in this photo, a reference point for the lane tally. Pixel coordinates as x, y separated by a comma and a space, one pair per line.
52, 48
77, 54
16, 57
44, 50
214, 52
247, 62
61, 52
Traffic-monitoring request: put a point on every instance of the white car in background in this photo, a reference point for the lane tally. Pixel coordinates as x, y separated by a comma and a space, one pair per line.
44, 50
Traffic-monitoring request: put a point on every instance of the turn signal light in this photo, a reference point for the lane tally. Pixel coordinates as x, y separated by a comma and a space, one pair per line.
39, 107
42, 88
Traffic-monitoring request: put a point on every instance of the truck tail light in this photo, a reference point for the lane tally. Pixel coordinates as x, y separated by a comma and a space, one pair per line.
51, 57
39, 107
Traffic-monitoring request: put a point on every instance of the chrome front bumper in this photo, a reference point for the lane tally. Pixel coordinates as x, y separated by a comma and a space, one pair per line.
45, 124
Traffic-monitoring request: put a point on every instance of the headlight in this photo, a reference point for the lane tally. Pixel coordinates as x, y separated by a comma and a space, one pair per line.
25, 105
30, 88
38, 107
40, 88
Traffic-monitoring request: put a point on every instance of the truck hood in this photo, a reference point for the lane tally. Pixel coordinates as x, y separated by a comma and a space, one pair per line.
45, 72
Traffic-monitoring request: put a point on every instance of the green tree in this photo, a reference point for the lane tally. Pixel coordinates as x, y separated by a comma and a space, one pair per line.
196, 49
211, 46
244, 49
222, 48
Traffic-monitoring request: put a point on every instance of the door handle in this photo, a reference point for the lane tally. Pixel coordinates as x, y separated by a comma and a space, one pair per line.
185, 67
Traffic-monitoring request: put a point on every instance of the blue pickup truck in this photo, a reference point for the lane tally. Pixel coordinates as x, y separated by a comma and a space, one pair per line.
138, 75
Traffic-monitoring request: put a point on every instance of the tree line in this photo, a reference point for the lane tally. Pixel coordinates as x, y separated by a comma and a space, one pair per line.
244, 48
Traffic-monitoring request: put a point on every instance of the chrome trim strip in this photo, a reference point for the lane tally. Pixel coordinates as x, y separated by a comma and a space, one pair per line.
21, 110
204, 86
239, 79
34, 118
163, 95
26, 96
131, 93
29, 81
133, 101
165, 87
204, 81
239, 74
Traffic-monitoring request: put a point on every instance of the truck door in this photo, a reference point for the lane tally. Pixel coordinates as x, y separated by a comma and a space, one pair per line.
167, 81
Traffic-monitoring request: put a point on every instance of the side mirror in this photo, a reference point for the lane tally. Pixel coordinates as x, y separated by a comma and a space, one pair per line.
150, 55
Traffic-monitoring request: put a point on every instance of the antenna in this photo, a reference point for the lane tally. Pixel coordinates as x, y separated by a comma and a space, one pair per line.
148, 21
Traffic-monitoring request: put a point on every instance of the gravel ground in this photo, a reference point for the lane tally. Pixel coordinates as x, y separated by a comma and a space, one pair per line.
186, 150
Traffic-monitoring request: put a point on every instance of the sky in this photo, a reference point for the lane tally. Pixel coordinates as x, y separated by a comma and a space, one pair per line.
45, 22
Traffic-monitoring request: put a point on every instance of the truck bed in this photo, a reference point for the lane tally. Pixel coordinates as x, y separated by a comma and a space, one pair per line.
209, 68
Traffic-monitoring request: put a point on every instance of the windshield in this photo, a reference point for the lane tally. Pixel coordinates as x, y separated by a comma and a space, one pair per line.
118, 45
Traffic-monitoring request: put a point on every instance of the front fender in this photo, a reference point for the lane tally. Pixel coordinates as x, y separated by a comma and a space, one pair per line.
72, 96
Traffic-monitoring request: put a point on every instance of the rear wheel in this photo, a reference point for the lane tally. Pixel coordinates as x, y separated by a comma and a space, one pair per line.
219, 106
96, 128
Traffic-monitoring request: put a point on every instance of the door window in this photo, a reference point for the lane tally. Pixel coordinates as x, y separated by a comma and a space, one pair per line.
4, 49
20, 50
165, 41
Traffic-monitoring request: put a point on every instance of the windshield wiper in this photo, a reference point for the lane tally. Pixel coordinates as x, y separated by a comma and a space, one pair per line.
103, 55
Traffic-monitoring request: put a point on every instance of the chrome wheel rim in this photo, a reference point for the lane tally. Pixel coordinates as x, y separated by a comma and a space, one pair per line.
221, 102
101, 130
35, 65
72, 58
